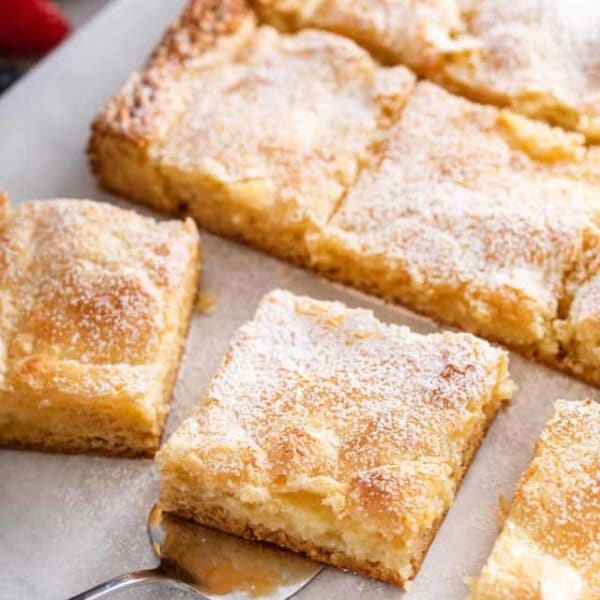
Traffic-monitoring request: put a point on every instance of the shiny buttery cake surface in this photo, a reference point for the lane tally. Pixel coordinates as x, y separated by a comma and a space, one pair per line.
331, 433
549, 546
94, 306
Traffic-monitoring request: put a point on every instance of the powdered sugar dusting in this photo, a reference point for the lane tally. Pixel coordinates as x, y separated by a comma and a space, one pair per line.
522, 42
490, 50
87, 285
551, 537
274, 129
413, 33
458, 207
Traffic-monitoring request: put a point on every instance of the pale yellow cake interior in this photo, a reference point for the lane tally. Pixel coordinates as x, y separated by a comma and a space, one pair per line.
331, 433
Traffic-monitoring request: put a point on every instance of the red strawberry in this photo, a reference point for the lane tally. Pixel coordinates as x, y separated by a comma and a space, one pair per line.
31, 26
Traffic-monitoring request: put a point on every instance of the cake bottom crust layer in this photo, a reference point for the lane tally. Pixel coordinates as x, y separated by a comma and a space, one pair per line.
218, 519
101, 441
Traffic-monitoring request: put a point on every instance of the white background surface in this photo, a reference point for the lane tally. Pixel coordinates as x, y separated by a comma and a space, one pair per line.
68, 522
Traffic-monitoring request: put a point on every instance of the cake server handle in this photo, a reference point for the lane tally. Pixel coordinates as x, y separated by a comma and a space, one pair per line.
133, 579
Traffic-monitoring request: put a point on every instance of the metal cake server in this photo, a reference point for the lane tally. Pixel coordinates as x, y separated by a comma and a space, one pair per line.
212, 565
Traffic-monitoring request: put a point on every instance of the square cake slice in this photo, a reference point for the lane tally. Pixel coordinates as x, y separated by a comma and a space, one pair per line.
330, 433
481, 218
540, 57
254, 133
549, 546
94, 308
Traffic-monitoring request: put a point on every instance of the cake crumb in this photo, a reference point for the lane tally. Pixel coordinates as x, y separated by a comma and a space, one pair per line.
206, 302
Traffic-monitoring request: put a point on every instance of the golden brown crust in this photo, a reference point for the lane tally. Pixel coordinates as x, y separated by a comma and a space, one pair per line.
220, 520
118, 445
252, 162
268, 154
349, 435
549, 546
94, 307
3, 207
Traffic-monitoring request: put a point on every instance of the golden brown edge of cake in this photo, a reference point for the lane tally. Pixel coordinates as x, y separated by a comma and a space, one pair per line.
133, 118
129, 444
137, 444
3, 207
217, 518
